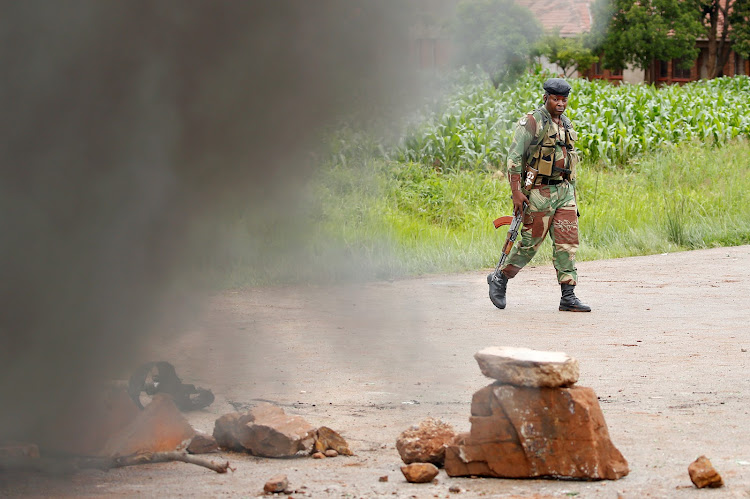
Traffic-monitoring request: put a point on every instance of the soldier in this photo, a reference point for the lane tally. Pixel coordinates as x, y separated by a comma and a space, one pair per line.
541, 169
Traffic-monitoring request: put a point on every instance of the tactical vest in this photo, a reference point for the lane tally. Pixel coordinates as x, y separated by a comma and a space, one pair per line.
539, 158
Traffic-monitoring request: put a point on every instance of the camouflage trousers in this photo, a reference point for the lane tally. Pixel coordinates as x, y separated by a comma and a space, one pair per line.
552, 210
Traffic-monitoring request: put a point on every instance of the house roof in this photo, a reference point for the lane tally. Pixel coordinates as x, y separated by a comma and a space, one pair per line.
572, 17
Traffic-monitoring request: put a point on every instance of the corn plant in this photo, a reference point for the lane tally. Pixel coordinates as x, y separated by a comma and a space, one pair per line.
472, 128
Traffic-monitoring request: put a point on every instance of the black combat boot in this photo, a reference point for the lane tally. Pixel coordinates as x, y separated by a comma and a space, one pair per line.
497, 289
569, 302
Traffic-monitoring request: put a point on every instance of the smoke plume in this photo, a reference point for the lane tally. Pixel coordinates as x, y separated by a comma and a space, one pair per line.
125, 121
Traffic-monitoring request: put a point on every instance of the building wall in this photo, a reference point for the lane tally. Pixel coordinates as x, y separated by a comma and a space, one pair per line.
633, 75
430, 39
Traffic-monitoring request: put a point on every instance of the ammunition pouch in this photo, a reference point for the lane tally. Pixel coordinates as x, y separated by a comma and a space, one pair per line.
547, 154
572, 162
573, 158
529, 179
540, 156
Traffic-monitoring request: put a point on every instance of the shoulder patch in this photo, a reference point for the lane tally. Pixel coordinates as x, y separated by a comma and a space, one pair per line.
530, 123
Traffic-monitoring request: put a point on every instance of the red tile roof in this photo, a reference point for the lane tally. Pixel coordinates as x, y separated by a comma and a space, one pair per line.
572, 17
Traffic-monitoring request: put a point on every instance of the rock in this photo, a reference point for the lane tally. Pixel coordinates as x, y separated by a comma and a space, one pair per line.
160, 427
266, 430
331, 453
273, 433
526, 367
202, 444
85, 425
327, 439
318, 455
383, 478
703, 474
454, 489
419, 472
276, 484
523, 432
227, 429
425, 443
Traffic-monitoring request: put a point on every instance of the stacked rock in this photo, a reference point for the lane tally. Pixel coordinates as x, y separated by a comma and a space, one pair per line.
532, 422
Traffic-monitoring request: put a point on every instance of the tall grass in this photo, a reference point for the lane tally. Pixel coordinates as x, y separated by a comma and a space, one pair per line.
664, 170
679, 197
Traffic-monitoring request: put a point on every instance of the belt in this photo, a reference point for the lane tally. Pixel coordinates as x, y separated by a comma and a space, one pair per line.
549, 181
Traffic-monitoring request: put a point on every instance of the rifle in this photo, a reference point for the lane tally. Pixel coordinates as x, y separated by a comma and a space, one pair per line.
515, 222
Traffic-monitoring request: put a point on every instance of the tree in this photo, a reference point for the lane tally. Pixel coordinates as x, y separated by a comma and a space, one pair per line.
715, 17
740, 22
497, 36
568, 53
640, 31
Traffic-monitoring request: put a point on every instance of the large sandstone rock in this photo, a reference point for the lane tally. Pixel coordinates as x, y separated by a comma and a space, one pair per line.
266, 430
160, 427
88, 422
425, 443
523, 432
227, 429
526, 367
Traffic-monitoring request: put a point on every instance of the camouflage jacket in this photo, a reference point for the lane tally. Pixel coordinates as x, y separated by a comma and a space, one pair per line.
529, 131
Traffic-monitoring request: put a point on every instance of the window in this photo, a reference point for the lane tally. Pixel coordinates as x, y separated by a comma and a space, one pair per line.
679, 73
663, 69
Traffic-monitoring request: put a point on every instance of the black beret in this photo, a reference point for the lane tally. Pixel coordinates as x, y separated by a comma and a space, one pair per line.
557, 86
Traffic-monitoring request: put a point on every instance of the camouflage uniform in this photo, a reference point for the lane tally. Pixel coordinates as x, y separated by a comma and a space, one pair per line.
552, 204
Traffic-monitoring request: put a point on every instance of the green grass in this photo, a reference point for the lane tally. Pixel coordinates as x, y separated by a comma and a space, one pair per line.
421, 220
663, 170
676, 198
382, 220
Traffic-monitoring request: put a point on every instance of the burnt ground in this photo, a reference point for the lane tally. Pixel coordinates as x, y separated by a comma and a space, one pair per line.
666, 349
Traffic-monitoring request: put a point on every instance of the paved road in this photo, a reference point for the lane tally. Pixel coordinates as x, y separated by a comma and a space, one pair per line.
665, 349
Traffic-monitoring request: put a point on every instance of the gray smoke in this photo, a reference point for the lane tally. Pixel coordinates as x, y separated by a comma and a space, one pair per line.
123, 122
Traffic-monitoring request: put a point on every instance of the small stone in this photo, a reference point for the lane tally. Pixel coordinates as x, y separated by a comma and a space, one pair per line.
331, 453
326, 438
383, 478
276, 484
425, 443
202, 444
454, 489
419, 472
318, 455
703, 474
526, 367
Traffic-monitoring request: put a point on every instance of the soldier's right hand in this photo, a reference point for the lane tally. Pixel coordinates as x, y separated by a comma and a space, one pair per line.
519, 199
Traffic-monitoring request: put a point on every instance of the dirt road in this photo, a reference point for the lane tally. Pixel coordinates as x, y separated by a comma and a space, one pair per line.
666, 349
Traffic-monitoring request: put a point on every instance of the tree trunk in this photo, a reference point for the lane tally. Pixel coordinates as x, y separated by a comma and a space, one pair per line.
718, 48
